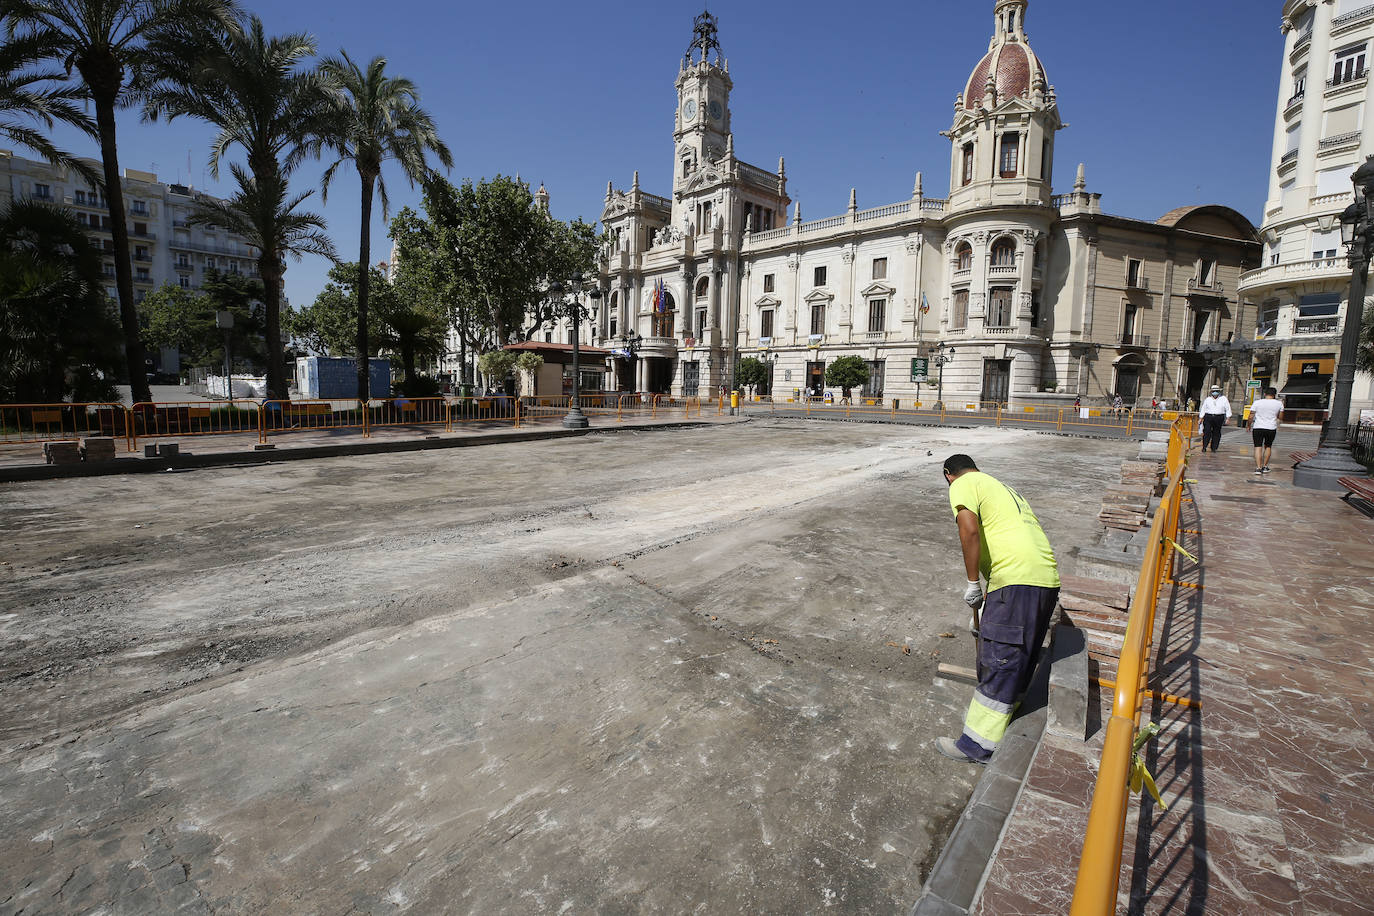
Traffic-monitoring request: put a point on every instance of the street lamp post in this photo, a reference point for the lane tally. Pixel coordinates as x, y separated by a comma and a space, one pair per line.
575, 311
1334, 459
940, 358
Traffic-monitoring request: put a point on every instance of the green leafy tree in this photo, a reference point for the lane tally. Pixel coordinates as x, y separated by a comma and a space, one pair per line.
185, 319
375, 118
496, 365
59, 336
751, 372
489, 254
847, 373
33, 101
256, 91
106, 45
263, 206
329, 325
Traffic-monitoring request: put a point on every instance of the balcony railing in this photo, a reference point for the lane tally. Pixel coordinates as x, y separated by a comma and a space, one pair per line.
145, 234
963, 274
999, 330
1296, 269
1340, 140
1138, 283
1346, 80
1135, 340
1353, 16
1205, 288
1002, 270
1288, 156
1295, 99
1329, 324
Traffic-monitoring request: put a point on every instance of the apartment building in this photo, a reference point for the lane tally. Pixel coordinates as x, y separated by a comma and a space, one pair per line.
1299, 291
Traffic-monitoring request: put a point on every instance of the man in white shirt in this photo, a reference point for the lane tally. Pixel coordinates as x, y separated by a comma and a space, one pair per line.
1215, 411
1264, 426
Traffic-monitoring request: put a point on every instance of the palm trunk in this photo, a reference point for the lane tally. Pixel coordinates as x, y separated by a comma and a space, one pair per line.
364, 255
124, 274
269, 268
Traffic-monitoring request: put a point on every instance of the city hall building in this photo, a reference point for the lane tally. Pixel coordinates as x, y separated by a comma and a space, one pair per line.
1008, 291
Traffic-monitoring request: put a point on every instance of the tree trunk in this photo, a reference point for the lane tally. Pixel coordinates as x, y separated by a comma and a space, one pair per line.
124, 274
269, 268
364, 256
408, 361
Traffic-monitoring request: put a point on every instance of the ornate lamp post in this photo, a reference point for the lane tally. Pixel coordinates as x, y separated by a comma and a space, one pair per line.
575, 311
1334, 459
939, 358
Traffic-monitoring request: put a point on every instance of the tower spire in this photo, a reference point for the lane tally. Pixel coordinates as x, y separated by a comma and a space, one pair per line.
704, 37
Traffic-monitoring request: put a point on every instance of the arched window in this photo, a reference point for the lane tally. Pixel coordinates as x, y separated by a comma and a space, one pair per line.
958, 317
964, 256
1004, 253
613, 314
665, 315
703, 287
967, 164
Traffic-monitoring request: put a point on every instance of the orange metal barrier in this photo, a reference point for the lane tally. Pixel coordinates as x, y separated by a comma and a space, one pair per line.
493, 409
408, 412
1099, 868
308, 416
174, 419
63, 422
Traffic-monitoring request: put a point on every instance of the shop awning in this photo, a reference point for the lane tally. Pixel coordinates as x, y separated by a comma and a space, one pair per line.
1305, 386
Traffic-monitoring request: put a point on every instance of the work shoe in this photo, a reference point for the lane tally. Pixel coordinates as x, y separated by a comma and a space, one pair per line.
948, 748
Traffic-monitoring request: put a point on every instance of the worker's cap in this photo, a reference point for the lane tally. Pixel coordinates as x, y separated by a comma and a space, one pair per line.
1216, 388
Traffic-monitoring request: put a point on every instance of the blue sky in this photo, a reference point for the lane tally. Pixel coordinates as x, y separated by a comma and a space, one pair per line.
1168, 103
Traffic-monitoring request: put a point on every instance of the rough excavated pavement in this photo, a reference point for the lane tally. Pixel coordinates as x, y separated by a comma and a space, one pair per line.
656, 672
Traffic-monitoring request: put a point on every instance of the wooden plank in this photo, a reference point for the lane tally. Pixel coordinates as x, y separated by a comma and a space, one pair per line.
958, 671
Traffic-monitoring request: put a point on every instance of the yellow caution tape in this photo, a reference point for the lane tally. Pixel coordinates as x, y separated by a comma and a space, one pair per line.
1140, 776
1178, 547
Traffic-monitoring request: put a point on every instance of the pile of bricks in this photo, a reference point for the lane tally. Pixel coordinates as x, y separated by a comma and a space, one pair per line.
1126, 507
1098, 608
62, 452
98, 448
91, 448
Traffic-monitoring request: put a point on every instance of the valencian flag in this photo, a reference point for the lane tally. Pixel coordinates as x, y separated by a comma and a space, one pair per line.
925, 303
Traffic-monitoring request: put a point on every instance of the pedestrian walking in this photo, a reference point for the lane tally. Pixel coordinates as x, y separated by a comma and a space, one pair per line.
1001, 541
1215, 411
1264, 426
1118, 406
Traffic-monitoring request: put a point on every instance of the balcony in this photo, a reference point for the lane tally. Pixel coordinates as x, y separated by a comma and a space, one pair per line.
1352, 17
1329, 324
1338, 142
963, 273
873, 335
998, 330
1138, 284
1002, 270
213, 249
1293, 102
144, 258
1288, 157
1134, 340
1198, 287
145, 234
1338, 85
1315, 269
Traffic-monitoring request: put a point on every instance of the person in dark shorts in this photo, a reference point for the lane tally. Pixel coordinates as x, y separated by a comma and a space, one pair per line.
1264, 426
1002, 541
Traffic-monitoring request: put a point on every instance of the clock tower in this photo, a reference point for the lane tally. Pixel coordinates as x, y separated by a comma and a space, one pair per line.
703, 106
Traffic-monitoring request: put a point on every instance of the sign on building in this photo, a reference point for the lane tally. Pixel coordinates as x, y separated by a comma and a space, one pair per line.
920, 369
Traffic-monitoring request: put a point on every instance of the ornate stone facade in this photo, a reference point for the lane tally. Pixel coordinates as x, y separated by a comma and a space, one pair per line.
1040, 297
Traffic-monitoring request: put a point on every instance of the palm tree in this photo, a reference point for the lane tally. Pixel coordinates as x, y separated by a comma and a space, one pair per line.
376, 117
251, 87
28, 95
266, 216
57, 331
107, 43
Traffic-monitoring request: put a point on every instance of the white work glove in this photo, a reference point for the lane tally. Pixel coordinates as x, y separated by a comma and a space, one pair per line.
973, 594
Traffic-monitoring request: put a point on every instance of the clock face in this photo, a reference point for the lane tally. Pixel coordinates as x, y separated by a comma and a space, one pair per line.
689, 110
715, 110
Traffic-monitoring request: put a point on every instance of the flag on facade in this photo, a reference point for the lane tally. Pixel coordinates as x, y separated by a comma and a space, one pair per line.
925, 304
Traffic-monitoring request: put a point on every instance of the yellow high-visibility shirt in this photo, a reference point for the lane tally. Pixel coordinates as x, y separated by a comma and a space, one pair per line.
1015, 550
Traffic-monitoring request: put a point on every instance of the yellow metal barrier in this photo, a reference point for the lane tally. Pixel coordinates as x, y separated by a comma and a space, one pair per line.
493, 409
408, 412
63, 422
310, 416
173, 419
1099, 868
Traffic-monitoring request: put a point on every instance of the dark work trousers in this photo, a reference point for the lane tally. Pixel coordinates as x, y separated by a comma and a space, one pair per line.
1012, 626
1211, 429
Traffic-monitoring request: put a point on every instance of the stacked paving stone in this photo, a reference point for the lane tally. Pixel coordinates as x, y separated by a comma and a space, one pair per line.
1099, 608
1127, 507
98, 448
62, 452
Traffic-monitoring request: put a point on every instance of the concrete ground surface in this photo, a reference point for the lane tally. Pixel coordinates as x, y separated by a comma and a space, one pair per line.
644, 672
1268, 783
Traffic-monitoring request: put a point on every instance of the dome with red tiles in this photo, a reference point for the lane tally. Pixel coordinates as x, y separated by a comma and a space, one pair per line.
1014, 67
